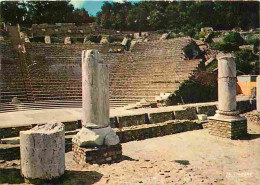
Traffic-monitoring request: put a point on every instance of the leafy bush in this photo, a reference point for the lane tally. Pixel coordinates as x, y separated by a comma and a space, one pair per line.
255, 42
213, 65
234, 37
243, 61
193, 92
211, 36
226, 47
202, 34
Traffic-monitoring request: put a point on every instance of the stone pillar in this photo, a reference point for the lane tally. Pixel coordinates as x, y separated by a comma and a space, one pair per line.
95, 101
95, 90
226, 87
258, 93
47, 39
43, 153
227, 122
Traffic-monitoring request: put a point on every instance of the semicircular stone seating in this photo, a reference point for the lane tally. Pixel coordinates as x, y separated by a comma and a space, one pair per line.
49, 75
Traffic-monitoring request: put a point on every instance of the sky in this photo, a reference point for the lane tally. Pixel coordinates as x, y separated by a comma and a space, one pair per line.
92, 6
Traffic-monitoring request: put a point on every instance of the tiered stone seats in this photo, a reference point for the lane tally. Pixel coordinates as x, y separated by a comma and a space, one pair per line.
152, 68
11, 76
53, 71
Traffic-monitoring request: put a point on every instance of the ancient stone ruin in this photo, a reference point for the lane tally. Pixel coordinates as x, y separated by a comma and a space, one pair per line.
43, 153
96, 130
228, 121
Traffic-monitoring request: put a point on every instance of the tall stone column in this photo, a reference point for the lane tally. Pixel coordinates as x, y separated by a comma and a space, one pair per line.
95, 101
227, 122
226, 87
95, 90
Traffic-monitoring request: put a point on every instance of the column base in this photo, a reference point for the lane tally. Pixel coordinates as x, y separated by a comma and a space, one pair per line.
226, 115
97, 155
232, 128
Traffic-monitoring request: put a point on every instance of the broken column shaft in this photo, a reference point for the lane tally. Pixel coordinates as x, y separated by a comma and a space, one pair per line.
43, 153
95, 103
227, 87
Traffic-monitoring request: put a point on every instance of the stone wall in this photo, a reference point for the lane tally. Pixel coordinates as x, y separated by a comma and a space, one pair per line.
188, 113
231, 130
100, 155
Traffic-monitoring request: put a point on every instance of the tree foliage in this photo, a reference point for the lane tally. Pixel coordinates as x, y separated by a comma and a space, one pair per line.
183, 16
37, 12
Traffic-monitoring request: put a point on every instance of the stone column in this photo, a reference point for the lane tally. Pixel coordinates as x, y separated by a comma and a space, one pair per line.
95, 90
226, 87
95, 102
227, 121
43, 153
258, 93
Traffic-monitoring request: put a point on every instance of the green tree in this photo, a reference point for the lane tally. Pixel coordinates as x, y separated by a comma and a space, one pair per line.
244, 60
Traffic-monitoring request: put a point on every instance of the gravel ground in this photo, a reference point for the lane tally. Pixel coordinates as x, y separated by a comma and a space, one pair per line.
193, 157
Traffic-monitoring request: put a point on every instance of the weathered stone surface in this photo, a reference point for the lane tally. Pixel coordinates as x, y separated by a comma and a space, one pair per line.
95, 89
185, 114
209, 110
101, 155
160, 117
43, 152
232, 130
258, 93
226, 82
226, 88
96, 137
124, 121
89, 137
111, 139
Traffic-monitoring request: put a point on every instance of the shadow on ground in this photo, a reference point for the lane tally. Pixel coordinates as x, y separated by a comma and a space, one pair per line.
80, 177
10, 176
250, 137
13, 176
183, 162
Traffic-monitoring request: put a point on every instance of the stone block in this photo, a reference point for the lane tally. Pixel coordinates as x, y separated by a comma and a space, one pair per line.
88, 137
160, 117
127, 121
100, 155
232, 130
43, 152
186, 114
209, 110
